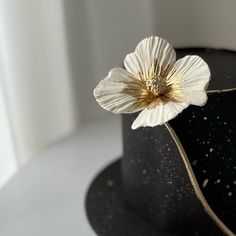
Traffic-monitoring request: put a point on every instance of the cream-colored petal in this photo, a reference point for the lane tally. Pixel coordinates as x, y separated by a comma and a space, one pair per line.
158, 115
147, 52
194, 76
109, 92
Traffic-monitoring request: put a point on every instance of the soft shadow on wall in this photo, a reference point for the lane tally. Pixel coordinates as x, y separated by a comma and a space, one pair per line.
99, 35
203, 23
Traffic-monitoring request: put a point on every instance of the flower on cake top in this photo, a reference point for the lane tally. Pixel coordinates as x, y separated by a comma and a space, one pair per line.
154, 83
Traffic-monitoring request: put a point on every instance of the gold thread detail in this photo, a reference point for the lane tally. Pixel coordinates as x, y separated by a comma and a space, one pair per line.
195, 184
220, 90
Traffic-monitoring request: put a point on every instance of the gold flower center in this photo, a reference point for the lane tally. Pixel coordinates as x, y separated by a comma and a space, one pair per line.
155, 88
156, 85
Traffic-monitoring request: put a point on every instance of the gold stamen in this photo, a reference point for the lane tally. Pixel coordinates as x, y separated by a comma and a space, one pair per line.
156, 89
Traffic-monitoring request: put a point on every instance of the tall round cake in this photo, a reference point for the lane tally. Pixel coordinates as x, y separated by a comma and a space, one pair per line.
178, 178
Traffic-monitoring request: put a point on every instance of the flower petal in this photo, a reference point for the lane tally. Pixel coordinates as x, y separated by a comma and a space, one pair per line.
147, 52
158, 115
109, 92
195, 76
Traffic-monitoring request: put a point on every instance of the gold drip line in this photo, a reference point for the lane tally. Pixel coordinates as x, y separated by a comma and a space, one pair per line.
220, 90
195, 184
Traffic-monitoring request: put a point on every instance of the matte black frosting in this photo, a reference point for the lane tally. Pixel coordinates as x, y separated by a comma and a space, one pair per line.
109, 213
208, 135
157, 185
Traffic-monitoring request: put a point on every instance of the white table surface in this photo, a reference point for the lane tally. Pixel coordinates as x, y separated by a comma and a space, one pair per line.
46, 197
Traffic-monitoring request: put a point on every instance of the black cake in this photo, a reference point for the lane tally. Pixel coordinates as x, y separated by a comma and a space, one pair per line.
178, 178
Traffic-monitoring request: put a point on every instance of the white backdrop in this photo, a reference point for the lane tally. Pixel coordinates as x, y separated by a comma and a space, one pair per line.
53, 53
34, 76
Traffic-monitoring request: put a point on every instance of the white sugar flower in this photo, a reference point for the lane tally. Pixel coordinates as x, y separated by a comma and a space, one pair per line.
155, 83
